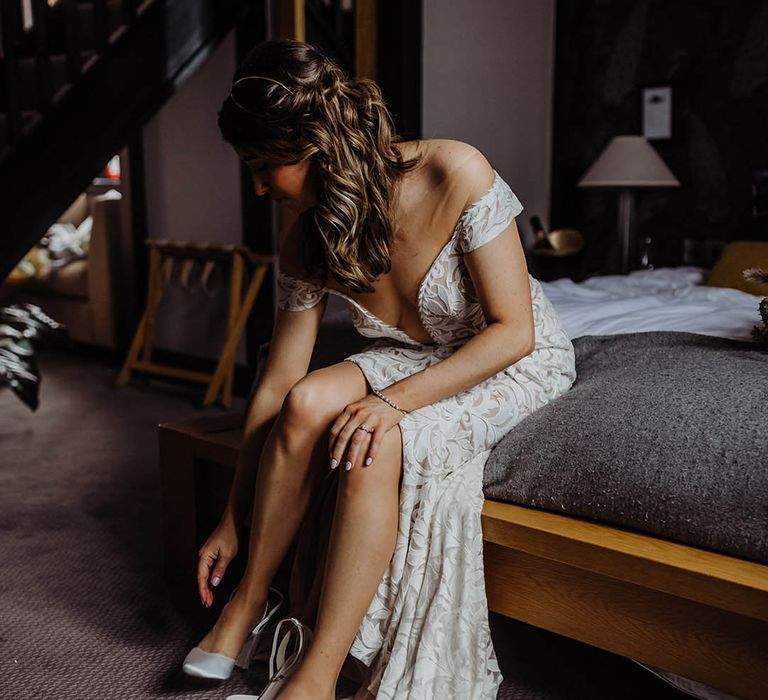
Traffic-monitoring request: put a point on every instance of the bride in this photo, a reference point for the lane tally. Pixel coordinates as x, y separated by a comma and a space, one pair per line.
419, 238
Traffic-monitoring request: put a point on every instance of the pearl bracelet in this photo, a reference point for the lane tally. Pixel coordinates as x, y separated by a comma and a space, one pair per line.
389, 401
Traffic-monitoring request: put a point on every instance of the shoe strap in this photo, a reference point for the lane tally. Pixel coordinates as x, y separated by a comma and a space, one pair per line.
271, 607
275, 600
280, 646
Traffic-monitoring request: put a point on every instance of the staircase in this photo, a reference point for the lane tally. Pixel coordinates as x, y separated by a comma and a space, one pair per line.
79, 78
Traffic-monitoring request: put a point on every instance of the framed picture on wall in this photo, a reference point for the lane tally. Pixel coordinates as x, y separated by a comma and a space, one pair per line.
657, 112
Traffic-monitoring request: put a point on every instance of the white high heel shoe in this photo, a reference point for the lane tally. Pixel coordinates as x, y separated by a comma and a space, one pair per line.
207, 664
281, 665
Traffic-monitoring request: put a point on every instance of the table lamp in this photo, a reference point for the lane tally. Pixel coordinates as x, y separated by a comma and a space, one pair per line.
626, 163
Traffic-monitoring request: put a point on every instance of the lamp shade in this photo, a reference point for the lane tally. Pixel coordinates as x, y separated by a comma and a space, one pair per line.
629, 161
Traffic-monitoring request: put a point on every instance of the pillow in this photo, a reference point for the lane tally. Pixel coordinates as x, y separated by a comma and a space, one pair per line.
67, 242
735, 258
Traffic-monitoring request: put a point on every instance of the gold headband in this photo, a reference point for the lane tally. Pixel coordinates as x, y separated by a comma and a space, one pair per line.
254, 77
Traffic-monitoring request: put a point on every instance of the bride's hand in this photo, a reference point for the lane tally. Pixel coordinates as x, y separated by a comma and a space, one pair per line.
214, 556
350, 446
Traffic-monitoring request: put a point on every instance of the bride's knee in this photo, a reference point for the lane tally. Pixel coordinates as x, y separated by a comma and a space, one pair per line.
307, 407
383, 474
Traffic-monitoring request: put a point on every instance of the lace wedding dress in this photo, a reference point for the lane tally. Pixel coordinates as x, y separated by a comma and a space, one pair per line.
425, 635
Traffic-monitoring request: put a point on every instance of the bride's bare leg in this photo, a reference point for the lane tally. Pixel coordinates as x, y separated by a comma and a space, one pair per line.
362, 541
294, 455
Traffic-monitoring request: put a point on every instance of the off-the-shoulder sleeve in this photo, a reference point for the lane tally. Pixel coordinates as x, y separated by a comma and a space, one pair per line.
294, 294
486, 218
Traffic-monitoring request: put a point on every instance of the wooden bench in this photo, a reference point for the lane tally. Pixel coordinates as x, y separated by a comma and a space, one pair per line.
693, 612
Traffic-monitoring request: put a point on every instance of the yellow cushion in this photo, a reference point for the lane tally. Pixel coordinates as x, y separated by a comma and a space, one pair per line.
735, 258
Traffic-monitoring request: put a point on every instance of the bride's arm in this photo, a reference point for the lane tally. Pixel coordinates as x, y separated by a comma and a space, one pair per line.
290, 350
500, 277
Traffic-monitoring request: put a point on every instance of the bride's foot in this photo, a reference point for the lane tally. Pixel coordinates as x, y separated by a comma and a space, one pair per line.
297, 688
237, 619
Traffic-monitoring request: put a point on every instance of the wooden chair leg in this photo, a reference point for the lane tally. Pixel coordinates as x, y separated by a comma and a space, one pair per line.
142, 340
154, 294
133, 353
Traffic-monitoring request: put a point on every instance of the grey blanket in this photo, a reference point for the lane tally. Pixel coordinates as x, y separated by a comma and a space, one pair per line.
665, 433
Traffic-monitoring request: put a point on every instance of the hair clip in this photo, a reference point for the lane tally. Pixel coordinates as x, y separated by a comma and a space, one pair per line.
254, 77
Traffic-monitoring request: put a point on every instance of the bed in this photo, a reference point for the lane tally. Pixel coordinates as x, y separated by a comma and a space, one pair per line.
680, 587
650, 542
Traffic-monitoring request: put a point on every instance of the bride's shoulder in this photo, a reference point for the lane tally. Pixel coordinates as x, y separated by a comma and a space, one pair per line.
458, 168
449, 154
439, 155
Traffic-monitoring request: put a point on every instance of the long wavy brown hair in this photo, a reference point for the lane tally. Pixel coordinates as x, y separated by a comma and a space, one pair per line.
290, 102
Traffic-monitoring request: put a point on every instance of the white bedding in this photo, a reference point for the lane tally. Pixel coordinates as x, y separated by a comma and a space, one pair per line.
668, 299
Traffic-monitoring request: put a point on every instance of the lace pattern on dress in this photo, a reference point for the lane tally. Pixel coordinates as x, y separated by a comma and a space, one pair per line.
488, 216
294, 294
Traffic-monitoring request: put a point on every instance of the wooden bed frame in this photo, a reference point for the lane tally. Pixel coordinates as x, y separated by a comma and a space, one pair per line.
693, 612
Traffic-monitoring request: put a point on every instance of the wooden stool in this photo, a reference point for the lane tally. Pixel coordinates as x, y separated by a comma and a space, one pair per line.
140, 353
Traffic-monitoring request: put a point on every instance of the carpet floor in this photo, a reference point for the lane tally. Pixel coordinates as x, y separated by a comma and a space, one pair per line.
85, 614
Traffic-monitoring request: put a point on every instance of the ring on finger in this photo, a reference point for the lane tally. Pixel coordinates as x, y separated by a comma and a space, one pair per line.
364, 427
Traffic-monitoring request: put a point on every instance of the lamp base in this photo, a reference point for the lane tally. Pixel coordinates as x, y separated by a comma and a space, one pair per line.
626, 228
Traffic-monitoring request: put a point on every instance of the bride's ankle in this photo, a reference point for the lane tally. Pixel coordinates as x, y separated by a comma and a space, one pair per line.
231, 627
301, 686
251, 594
244, 608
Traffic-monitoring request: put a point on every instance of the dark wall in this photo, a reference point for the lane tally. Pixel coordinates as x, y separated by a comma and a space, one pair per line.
714, 54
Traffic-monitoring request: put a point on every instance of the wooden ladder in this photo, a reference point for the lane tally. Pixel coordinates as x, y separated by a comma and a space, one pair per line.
239, 258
